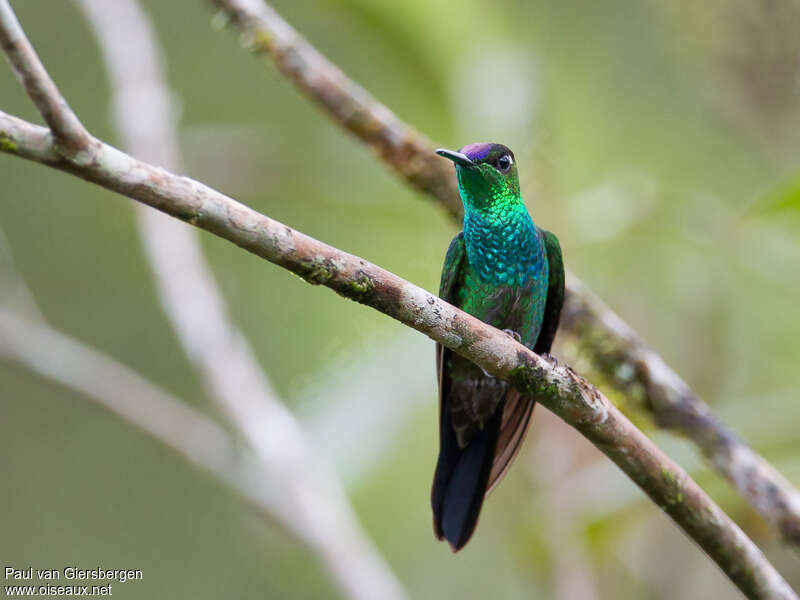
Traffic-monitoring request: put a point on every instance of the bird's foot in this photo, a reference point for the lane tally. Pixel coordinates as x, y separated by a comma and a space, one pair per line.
513, 334
550, 358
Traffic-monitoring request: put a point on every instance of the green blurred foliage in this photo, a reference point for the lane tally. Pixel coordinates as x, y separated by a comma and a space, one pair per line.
646, 134
784, 198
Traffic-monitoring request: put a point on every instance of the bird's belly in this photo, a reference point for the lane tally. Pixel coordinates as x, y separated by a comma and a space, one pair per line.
519, 308
473, 395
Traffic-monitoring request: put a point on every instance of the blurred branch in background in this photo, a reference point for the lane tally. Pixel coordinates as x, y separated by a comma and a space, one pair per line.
68, 362
27, 339
558, 388
615, 350
309, 499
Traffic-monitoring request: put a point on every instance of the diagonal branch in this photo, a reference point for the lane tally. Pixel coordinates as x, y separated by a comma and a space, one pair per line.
612, 346
559, 389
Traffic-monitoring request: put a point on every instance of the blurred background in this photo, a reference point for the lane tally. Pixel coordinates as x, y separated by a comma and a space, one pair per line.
661, 143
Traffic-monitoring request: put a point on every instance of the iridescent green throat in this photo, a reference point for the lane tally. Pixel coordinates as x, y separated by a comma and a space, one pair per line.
503, 244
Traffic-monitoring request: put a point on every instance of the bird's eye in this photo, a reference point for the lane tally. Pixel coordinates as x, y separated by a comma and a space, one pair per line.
504, 163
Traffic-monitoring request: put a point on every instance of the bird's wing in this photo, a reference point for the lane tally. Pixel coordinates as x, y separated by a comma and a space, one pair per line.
517, 411
451, 272
555, 294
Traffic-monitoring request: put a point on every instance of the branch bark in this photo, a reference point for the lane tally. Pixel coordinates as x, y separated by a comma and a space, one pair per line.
557, 388
614, 349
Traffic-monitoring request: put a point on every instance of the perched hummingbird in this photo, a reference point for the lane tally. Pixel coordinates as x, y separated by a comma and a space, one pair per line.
509, 273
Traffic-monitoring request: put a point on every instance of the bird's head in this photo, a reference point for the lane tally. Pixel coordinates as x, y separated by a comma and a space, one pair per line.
487, 176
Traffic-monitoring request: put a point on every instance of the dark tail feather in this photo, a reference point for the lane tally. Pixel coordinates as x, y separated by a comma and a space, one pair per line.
461, 479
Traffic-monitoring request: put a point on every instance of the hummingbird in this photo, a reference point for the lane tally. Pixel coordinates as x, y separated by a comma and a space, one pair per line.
509, 273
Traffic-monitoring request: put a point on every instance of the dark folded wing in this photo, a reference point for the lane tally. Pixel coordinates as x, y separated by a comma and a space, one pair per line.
449, 451
451, 273
555, 294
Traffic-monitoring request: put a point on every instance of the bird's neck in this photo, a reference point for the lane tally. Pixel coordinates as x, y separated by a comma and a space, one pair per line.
503, 246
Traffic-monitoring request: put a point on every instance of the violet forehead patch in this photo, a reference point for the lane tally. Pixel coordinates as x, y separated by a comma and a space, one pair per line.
477, 152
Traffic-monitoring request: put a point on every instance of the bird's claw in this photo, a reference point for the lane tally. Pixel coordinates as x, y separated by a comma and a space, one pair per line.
513, 334
550, 358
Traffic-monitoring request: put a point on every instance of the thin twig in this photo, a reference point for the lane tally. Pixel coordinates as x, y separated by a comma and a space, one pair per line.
611, 345
558, 388
144, 116
37, 83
